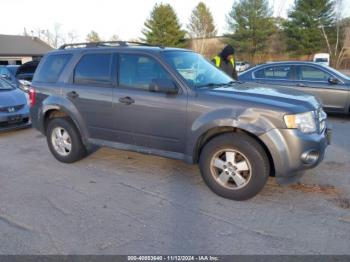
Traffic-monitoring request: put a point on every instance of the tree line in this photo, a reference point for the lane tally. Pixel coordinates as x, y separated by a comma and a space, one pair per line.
311, 26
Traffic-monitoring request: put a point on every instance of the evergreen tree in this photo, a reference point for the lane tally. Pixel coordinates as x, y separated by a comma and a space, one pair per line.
201, 22
307, 23
251, 25
93, 37
163, 27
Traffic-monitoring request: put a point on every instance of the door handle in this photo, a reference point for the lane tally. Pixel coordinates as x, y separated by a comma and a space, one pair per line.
72, 94
301, 85
126, 100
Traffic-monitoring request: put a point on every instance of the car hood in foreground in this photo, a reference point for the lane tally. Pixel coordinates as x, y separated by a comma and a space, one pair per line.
270, 95
12, 97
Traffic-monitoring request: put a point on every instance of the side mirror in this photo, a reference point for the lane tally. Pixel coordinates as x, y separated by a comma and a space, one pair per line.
334, 81
166, 86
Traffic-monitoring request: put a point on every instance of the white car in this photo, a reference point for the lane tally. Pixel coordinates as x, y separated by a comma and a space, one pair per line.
242, 66
322, 58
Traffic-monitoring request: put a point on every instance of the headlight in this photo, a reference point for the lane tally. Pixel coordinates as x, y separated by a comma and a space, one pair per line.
305, 122
24, 82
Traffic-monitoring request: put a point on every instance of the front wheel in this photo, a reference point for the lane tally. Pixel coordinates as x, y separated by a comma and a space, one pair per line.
64, 140
234, 166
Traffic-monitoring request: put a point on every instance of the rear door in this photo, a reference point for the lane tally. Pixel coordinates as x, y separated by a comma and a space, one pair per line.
157, 120
279, 75
90, 90
315, 80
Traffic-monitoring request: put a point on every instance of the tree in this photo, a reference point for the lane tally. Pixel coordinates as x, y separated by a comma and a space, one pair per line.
163, 27
251, 25
72, 36
336, 42
201, 26
308, 23
93, 37
114, 38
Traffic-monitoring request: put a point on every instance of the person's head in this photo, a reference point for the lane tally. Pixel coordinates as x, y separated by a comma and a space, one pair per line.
227, 53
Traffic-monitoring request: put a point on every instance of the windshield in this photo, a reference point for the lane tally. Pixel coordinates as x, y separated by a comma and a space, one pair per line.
12, 69
321, 60
195, 69
4, 85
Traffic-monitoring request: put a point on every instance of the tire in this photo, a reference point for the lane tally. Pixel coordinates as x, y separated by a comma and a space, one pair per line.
61, 127
234, 166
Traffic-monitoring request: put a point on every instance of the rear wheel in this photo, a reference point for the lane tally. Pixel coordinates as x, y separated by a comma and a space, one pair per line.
234, 166
64, 140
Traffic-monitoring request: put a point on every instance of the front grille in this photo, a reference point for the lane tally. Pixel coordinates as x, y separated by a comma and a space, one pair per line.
11, 109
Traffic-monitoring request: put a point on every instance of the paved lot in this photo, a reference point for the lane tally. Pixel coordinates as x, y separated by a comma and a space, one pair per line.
116, 202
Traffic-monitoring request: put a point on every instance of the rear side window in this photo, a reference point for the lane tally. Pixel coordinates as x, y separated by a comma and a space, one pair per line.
52, 68
274, 72
93, 69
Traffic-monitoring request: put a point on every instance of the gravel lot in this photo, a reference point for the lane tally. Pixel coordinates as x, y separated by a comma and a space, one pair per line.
116, 202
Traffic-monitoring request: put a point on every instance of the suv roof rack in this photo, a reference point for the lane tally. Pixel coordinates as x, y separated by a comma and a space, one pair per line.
104, 44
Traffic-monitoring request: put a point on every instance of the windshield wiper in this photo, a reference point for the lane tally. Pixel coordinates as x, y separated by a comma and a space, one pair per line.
220, 84
212, 85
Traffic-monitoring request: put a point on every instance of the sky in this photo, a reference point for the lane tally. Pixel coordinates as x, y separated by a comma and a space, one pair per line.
124, 18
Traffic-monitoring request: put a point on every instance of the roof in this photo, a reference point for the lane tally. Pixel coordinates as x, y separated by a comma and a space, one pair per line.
146, 49
289, 62
17, 45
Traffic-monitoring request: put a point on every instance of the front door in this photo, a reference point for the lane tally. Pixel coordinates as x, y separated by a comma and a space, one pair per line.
157, 120
314, 80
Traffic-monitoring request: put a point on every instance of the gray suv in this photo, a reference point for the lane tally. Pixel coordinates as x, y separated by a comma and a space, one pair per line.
174, 103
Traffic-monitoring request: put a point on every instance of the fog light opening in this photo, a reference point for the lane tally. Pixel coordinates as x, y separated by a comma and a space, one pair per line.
310, 157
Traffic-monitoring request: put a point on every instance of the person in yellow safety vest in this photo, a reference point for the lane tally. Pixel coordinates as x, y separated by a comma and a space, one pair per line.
226, 61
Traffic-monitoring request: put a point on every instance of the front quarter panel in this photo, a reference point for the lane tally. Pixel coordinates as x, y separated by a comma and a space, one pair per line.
205, 115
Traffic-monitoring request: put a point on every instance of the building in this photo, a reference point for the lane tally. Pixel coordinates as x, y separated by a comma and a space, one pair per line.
17, 49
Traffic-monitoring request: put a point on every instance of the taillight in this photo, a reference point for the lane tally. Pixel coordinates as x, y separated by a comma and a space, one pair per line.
32, 95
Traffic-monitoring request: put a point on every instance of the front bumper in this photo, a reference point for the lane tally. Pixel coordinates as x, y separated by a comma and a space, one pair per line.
16, 120
289, 149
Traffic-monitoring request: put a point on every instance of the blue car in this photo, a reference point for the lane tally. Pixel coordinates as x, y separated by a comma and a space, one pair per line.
20, 76
14, 109
329, 85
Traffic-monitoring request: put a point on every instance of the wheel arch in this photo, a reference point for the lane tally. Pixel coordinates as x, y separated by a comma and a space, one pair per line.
217, 131
60, 112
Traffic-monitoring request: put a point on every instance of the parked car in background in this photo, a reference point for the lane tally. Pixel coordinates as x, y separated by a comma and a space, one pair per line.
329, 85
14, 109
322, 58
21, 76
9, 73
242, 66
175, 103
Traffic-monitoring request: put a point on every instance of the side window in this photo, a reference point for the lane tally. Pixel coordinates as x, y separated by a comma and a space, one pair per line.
138, 71
52, 68
309, 73
275, 72
93, 69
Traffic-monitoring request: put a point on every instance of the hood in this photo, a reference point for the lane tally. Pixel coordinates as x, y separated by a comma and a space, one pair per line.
12, 97
293, 101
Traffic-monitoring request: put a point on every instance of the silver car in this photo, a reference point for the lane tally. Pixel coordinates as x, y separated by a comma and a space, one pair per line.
14, 109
